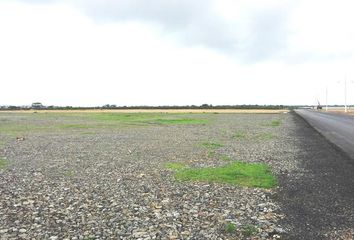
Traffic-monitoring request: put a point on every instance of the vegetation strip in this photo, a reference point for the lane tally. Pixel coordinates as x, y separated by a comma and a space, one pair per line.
237, 173
212, 145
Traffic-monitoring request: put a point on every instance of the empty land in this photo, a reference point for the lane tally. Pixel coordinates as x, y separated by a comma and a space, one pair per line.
150, 175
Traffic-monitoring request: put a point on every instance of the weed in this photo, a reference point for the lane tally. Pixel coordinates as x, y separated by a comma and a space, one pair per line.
212, 145
266, 136
226, 158
237, 173
275, 123
239, 135
69, 174
176, 166
230, 228
249, 230
211, 153
3, 163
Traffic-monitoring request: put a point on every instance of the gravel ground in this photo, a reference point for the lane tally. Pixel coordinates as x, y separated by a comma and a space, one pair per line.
113, 183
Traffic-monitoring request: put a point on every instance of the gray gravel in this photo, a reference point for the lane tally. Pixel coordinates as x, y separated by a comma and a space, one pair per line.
113, 183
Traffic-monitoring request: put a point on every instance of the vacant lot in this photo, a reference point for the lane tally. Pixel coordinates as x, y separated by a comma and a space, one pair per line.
107, 175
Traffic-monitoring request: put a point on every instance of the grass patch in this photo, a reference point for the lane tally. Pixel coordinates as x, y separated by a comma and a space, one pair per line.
212, 145
249, 230
275, 123
211, 153
69, 174
266, 136
147, 118
176, 166
239, 135
226, 158
230, 228
3, 163
20, 124
237, 173
181, 121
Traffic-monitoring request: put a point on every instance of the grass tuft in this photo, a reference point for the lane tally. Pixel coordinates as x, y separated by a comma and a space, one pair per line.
226, 158
230, 228
237, 173
3, 163
69, 173
239, 135
249, 230
275, 123
266, 136
212, 145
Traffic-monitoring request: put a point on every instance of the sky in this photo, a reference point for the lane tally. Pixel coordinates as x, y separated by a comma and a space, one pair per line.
176, 52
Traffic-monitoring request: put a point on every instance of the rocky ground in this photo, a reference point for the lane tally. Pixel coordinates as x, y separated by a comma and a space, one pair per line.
114, 184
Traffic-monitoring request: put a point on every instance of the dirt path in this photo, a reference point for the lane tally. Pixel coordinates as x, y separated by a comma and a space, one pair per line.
318, 202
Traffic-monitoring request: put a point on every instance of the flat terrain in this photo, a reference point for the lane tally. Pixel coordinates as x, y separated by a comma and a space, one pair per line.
152, 111
108, 175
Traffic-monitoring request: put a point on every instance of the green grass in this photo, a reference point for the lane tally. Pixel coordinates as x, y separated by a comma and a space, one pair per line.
176, 166
249, 230
3, 163
275, 123
266, 136
69, 174
230, 228
212, 145
147, 118
239, 135
237, 173
44, 122
181, 121
226, 158
211, 153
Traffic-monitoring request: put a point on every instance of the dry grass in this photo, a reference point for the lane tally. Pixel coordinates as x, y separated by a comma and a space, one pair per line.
155, 111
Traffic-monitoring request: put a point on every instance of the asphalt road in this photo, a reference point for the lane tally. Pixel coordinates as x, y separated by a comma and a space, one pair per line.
337, 128
317, 199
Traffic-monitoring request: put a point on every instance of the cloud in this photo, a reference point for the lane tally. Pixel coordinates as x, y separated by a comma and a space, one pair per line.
253, 35
248, 30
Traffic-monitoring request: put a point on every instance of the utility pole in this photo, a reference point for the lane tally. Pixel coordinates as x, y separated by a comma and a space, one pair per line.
345, 94
326, 98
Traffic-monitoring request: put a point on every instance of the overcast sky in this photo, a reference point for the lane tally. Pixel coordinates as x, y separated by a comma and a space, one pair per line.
175, 52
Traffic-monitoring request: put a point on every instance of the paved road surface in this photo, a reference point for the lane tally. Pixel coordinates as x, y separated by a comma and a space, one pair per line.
318, 198
337, 128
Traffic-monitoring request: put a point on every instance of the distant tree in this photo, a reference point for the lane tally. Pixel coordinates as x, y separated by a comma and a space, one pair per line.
37, 105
